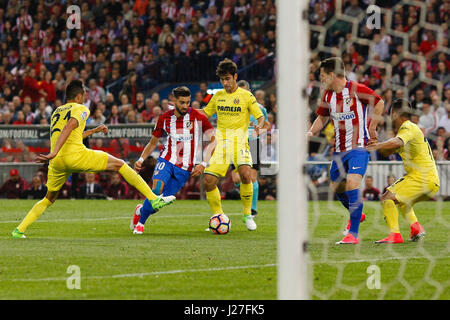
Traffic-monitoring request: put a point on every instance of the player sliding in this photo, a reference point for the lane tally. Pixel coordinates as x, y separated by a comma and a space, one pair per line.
346, 102
253, 141
233, 106
421, 181
69, 155
184, 127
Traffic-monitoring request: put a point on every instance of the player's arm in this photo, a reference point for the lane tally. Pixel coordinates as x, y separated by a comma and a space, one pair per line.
387, 147
377, 117
317, 125
323, 115
210, 108
207, 154
371, 98
101, 127
66, 131
146, 152
261, 125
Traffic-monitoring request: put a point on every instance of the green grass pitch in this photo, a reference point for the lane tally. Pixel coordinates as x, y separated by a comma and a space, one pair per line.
177, 259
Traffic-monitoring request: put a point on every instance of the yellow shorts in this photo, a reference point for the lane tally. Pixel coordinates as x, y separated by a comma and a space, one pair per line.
410, 189
61, 167
223, 157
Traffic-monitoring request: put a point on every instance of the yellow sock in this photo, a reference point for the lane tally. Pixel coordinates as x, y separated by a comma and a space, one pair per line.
34, 214
214, 200
408, 213
246, 197
391, 215
136, 181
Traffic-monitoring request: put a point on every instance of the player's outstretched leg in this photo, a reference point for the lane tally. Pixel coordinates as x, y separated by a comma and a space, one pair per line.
136, 181
149, 207
34, 214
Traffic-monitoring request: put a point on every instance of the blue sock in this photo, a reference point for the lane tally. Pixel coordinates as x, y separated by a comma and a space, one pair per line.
146, 211
343, 198
255, 195
355, 205
237, 185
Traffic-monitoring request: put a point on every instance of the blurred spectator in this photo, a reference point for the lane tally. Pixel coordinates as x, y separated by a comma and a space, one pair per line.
48, 87
390, 182
14, 186
30, 86
90, 189
370, 193
117, 189
37, 189
267, 188
428, 119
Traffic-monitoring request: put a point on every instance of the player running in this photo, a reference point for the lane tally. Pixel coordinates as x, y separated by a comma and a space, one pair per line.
421, 181
69, 155
253, 140
183, 126
233, 106
347, 103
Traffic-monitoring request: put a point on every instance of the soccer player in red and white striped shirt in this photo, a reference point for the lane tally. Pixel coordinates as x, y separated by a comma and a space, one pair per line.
184, 127
347, 103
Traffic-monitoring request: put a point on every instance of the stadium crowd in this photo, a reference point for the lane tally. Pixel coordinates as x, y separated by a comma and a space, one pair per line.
121, 51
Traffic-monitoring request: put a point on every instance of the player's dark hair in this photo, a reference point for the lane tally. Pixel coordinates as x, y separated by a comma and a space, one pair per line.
335, 65
74, 88
225, 67
181, 92
402, 107
243, 84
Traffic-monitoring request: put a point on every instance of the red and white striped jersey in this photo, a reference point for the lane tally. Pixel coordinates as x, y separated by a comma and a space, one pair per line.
348, 111
184, 134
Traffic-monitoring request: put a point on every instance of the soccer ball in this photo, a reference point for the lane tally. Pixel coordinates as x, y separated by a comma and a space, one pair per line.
219, 224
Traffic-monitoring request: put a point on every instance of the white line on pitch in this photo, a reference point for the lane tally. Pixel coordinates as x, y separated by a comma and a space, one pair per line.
141, 275
206, 215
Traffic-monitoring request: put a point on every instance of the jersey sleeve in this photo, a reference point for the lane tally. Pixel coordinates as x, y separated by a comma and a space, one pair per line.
80, 113
210, 108
254, 108
206, 125
366, 95
159, 129
323, 109
406, 133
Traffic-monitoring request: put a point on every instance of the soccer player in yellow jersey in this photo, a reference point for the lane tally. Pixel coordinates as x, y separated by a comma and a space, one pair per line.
233, 106
421, 181
69, 155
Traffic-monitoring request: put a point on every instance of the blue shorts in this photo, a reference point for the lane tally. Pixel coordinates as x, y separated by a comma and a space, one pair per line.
174, 178
353, 161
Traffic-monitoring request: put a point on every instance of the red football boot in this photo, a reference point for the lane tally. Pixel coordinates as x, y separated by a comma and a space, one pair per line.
392, 238
363, 217
136, 216
417, 232
349, 239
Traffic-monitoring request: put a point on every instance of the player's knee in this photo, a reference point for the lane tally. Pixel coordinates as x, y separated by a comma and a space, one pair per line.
118, 163
210, 182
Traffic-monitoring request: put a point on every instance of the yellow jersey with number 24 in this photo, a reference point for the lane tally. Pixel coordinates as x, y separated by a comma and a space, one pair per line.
59, 118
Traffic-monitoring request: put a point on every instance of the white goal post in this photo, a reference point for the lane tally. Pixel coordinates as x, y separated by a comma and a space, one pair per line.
292, 74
